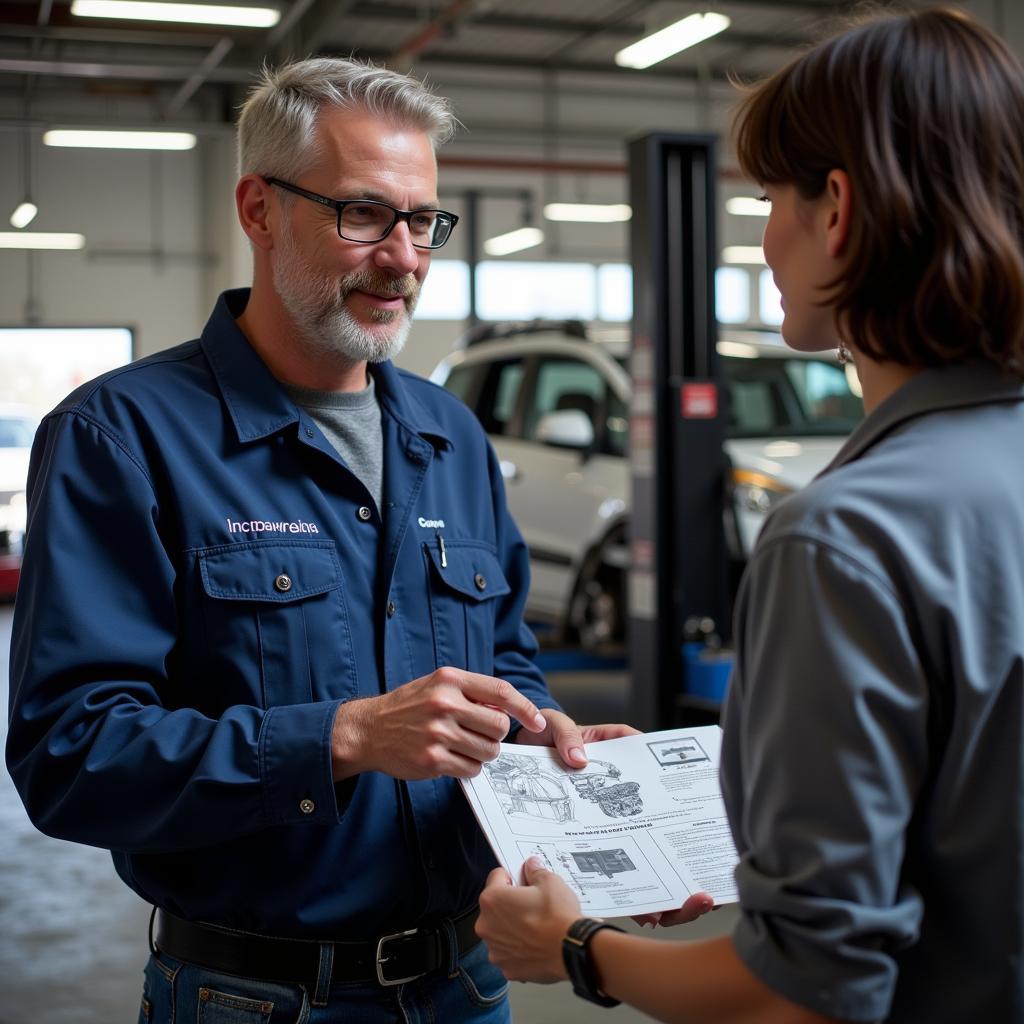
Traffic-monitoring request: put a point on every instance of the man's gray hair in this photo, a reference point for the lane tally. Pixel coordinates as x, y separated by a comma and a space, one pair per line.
277, 127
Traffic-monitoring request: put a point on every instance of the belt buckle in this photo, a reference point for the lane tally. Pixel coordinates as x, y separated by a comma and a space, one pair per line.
381, 960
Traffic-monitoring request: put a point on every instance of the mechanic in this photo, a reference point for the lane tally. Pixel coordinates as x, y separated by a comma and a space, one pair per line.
873, 749
240, 551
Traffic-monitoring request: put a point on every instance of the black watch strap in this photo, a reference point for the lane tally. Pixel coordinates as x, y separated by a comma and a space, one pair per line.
576, 955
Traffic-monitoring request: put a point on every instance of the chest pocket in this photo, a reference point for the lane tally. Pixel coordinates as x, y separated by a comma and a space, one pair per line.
266, 602
464, 587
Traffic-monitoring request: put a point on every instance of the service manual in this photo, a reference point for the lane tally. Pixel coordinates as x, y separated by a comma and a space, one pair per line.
639, 829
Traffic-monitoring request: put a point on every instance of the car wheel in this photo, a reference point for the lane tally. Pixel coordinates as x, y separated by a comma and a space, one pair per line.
597, 615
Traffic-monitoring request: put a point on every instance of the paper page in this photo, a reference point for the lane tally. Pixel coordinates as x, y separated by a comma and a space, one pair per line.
640, 829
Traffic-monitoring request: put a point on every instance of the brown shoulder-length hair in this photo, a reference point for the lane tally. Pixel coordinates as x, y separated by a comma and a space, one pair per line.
925, 113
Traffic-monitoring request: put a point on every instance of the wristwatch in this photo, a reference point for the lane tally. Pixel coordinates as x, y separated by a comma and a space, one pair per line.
576, 954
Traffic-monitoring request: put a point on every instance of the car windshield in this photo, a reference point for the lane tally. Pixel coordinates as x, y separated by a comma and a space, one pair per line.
793, 397
796, 397
16, 432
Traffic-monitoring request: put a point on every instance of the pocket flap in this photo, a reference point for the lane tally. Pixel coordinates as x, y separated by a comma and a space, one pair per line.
279, 571
474, 571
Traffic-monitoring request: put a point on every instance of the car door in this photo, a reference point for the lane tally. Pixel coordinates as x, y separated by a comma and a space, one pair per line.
564, 498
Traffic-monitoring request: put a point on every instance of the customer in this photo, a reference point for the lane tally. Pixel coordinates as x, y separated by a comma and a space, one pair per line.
239, 553
873, 757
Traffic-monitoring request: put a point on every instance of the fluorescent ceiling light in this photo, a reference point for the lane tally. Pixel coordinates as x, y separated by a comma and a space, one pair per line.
24, 214
118, 140
737, 349
743, 254
588, 213
40, 240
513, 241
748, 206
191, 14
683, 34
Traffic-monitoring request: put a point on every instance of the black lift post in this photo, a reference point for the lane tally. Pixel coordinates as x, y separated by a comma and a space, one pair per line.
677, 543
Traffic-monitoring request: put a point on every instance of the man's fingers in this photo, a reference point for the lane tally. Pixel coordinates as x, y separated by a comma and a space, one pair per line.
501, 694
568, 739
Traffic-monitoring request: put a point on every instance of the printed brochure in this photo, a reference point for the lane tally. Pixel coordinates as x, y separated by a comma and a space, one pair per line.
639, 829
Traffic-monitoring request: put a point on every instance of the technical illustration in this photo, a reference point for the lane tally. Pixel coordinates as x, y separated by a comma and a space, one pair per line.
599, 782
606, 862
678, 751
523, 787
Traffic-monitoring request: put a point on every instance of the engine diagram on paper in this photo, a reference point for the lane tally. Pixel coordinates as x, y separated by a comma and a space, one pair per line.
523, 787
599, 782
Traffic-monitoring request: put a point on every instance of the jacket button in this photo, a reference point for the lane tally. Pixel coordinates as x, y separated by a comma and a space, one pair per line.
283, 583
307, 806
480, 581
391, 608
309, 431
364, 513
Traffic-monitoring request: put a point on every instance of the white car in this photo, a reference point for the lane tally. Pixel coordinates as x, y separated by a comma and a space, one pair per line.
556, 407
17, 428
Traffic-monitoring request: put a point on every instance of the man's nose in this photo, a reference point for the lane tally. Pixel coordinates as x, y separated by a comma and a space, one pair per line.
396, 252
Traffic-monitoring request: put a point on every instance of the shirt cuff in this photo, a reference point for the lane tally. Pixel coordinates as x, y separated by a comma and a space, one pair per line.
295, 765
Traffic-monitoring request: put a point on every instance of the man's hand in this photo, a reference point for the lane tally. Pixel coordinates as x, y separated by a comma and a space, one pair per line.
569, 738
523, 926
695, 906
447, 723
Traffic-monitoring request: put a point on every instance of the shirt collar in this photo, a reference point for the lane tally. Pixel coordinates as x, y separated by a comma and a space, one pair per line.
256, 401
933, 390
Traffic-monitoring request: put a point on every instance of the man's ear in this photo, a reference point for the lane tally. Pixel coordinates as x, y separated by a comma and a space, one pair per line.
252, 200
838, 212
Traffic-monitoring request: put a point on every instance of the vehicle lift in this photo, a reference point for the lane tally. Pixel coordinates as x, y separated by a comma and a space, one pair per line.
677, 590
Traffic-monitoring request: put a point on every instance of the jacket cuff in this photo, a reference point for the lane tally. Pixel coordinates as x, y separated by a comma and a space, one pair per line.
295, 765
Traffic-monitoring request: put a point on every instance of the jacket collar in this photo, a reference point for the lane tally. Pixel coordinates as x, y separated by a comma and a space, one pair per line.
257, 403
933, 390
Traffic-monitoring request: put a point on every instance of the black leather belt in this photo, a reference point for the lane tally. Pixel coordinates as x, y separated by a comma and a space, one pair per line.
388, 960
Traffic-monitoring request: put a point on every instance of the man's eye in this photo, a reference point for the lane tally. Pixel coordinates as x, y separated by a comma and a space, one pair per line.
423, 222
364, 213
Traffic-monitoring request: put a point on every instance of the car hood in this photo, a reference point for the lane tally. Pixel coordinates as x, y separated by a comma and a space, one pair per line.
793, 461
13, 468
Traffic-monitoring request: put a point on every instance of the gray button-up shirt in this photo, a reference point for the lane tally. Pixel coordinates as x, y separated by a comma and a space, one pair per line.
873, 758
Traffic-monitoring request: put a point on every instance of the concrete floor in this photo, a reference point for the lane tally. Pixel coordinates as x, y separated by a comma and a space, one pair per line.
73, 936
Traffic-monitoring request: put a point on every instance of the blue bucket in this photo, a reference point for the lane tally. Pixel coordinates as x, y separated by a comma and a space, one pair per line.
706, 671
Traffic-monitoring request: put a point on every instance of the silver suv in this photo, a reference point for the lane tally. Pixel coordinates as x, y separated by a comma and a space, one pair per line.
555, 404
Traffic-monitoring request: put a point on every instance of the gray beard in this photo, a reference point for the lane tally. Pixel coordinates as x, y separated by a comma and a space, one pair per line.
323, 321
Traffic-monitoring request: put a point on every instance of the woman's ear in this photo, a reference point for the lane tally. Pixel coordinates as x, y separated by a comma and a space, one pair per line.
252, 203
838, 212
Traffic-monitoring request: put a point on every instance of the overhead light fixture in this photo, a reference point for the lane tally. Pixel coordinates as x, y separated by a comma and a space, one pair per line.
24, 213
83, 139
737, 349
748, 206
190, 14
679, 36
513, 241
743, 254
588, 213
40, 240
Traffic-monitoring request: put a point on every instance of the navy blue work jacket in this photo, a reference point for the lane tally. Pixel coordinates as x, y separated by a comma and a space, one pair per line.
204, 583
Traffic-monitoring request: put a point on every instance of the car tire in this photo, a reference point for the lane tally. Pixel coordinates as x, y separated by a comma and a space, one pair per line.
597, 611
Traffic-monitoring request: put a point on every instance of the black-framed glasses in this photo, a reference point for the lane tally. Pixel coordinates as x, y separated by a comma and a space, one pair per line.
367, 220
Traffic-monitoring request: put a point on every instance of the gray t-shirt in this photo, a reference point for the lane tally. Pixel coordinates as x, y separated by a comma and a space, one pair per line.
350, 420
873, 752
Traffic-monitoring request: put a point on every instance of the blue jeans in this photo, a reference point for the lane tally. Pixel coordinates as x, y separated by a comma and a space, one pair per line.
177, 992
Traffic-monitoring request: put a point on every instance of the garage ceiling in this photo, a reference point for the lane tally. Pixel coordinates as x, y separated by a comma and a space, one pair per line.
97, 71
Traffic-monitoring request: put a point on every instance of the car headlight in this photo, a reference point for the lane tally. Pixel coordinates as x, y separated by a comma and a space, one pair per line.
757, 492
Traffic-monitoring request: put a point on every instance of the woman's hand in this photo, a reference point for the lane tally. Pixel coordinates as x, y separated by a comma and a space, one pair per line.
523, 926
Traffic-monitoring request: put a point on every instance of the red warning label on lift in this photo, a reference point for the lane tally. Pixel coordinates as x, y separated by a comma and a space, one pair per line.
699, 401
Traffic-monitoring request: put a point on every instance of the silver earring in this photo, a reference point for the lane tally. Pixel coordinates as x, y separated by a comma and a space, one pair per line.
844, 354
